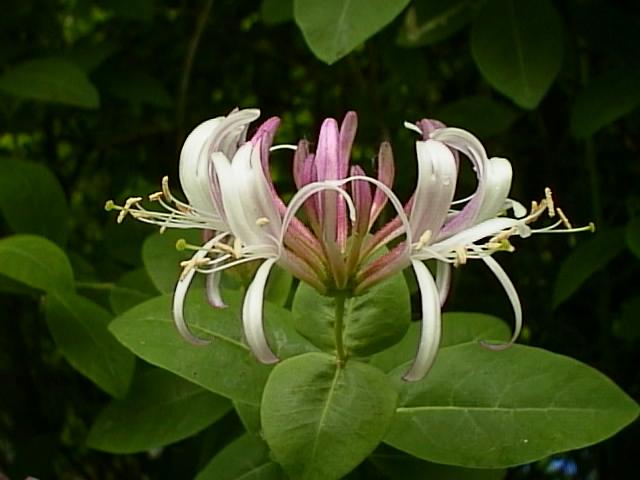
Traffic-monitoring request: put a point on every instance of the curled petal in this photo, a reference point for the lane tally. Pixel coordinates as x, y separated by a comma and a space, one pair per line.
427, 126
437, 173
252, 315
180, 294
511, 292
496, 188
431, 324
443, 280
212, 286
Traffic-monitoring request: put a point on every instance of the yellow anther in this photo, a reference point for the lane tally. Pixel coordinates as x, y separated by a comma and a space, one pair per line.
165, 189
237, 247
550, 206
461, 256
154, 197
534, 206
565, 220
424, 239
193, 263
262, 221
223, 247
131, 202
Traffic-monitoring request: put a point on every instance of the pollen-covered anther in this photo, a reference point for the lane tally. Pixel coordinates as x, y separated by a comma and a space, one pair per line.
461, 256
423, 240
550, 205
194, 263
154, 197
262, 221
130, 203
565, 220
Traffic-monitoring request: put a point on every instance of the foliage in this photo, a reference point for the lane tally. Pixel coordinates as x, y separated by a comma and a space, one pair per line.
95, 102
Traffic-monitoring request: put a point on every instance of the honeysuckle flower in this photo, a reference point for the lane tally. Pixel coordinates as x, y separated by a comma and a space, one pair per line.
232, 199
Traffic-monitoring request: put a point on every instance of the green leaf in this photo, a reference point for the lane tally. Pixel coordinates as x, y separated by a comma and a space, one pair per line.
36, 262
483, 116
160, 409
246, 458
372, 321
517, 45
162, 260
334, 28
32, 200
589, 257
604, 100
426, 23
633, 236
486, 409
249, 416
226, 366
278, 286
457, 328
79, 328
321, 420
50, 80
276, 12
131, 289
397, 465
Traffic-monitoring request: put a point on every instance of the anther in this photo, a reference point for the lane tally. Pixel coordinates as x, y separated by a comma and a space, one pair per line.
424, 239
461, 256
154, 197
550, 206
131, 201
565, 220
262, 221
165, 189
188, 265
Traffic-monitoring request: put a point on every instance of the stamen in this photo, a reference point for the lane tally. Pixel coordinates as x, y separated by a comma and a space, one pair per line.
423, 240
154, 197
192, 264
550, 206
461, 256
565, 220
131, 202
262, 221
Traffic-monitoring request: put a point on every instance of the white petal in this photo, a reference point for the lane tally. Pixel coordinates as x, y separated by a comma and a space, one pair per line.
180, 294
212, 285
194, 166
496, 188
465, 143
488, 228
431, 325
437, 172
252, 315
443, 280
506, 283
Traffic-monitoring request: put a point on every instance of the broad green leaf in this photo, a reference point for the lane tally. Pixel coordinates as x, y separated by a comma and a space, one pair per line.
486, 409
36, 262
372, 321
161, 408
426, 23
225, 366
249, 416
131, 289
483, 116
278, 286
50, 80
604, 100
321, 420
275, 12
32, 200
517, 45
589, 257
633, 236
333, 28
397, 465
162, 260
457, 328
79, 328
246, 458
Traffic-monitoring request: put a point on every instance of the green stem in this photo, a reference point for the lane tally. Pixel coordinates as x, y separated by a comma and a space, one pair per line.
338, 330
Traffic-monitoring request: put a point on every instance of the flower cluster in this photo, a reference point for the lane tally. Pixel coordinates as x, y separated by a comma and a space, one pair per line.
337, 248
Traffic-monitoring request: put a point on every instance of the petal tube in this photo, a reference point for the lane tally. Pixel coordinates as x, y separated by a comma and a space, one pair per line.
180, 294
511, 292
431, 324
252, 314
